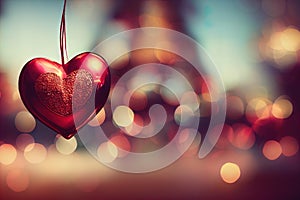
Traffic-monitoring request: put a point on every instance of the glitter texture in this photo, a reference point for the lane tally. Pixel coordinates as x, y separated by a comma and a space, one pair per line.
57, 94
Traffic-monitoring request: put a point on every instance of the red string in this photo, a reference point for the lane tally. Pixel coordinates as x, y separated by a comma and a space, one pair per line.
62, 36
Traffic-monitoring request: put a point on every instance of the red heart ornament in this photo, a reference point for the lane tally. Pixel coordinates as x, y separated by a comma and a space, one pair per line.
57, 95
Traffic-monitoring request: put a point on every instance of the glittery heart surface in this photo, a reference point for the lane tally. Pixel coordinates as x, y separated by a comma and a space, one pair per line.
65, 97
56, 93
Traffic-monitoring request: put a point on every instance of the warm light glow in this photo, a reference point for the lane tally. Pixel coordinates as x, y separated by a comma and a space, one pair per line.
136, 127
35, 153
107, 152
272, 150
289, 146
8, 154
123, 116
120, 141
290, 39
65, 146
183, 115
17, 180
24, 140
242, 136
258, 108
185, 136
282, 108
25, 122
98, 119
94, 63
230, 172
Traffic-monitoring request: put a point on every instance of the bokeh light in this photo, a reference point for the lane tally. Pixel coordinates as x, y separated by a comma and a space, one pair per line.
123, 116
35, 153
289, 146
25, 122
230, 172
66, 146
282, 108
122, 143
242, 136
8, 154
107, 152
17, 180
183, 115
272, 150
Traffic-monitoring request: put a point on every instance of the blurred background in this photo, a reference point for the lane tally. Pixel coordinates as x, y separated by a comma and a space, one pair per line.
255, 45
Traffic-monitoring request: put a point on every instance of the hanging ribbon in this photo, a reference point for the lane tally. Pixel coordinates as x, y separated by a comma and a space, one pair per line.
62, 36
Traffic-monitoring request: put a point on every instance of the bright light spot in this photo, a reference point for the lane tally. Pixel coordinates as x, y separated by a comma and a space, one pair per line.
65, 146
282, 108
107, 152
230, 172
94, 62
123, 116
183, 115
24, 140
8, 154
272, 150
17, 180
25, 122
98, 119
289, 146
290, 39
35, 153
258, 108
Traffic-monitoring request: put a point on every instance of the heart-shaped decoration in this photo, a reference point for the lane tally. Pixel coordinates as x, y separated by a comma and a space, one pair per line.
57, 95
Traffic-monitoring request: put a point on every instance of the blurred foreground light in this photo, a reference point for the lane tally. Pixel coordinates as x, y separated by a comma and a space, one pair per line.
230, 172
8, 154
25, 122
17, 180
183, 115
107, 152
98, 119
282, 108
35, 153
258, 108
242, 136
65, 146
123, 116
272, 150
120, 141
289, 146
290, 39
23, 140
